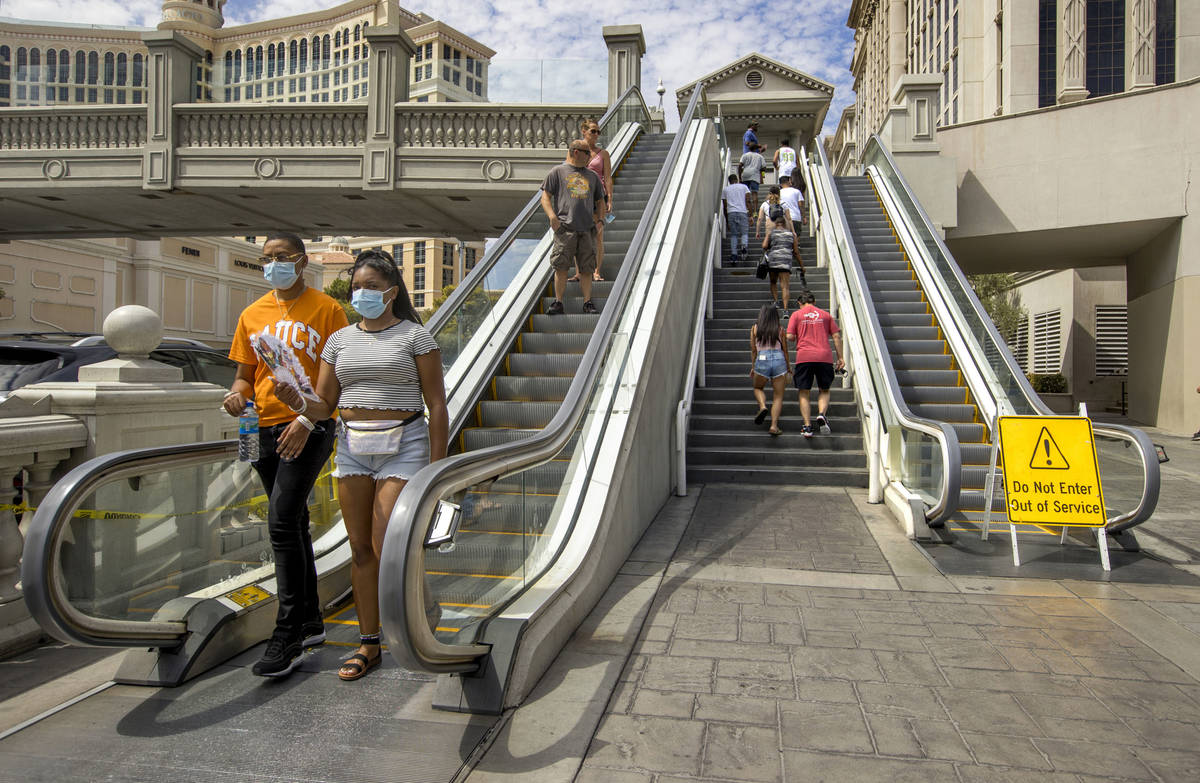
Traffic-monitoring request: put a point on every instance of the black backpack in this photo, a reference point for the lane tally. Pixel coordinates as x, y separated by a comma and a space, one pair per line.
774, 212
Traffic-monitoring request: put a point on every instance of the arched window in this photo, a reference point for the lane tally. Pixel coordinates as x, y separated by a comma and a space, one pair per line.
293, 56
316, 52
303, 55
139, 72
5, 67
229, 78
35, 65
93, 73
337, 39
258, 62
80, 67
22, 64
64, 66
123, 69
237, 66
270, 60
109, 68
357, 32
346, 36
51, 65
325, 50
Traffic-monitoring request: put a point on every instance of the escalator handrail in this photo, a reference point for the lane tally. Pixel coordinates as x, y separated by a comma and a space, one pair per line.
1151, 476
413, 642
44, 592
947, 503
498, 248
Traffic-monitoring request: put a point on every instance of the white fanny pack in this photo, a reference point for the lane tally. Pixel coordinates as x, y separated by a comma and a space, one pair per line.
368, 438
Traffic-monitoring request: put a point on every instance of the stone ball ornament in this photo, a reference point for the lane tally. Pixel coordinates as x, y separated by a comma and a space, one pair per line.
133, 331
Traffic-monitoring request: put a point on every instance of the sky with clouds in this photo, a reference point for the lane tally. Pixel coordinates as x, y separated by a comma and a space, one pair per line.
685, 39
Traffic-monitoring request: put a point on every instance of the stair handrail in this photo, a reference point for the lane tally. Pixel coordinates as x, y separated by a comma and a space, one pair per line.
414, 644
695, 372
946, 502
497, 249
952, 275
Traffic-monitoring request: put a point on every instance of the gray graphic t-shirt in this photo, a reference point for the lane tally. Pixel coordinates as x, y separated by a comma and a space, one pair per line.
575, 191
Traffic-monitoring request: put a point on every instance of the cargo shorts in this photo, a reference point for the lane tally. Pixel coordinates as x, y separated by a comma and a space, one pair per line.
574, 248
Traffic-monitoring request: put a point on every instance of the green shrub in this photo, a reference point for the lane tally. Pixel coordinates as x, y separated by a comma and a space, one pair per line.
1053, 383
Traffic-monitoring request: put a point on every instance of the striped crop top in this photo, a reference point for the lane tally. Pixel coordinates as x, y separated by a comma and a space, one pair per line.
379, 369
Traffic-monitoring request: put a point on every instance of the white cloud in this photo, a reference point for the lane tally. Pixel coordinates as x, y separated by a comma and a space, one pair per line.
685, 39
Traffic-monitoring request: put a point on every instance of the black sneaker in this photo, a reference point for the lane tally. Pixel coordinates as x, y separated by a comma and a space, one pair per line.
555, 308
806, 431
823, 424
1196, 436
281, 658
589, 308
312, 633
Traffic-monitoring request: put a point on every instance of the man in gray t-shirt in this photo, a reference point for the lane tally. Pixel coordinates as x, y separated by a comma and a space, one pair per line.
750, 173
573, 200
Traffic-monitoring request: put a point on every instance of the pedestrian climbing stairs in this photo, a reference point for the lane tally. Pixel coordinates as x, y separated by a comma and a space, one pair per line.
926, 370
503, 519
724, 443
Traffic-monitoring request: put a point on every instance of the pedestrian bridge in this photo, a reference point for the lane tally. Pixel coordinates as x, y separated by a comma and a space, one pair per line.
377, 167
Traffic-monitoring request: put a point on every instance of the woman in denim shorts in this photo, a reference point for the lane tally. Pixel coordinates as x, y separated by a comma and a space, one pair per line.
381, 374
768, 352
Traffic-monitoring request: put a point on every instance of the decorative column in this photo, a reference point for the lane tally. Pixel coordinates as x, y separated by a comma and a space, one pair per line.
626, 45
387, 85
1139, 43
171, 76
1072, 50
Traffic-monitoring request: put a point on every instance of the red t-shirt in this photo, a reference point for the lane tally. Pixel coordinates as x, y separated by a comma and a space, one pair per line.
811, 327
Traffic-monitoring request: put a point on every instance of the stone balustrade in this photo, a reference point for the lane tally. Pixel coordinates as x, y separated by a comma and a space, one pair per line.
73, 128
280, 125
488, 126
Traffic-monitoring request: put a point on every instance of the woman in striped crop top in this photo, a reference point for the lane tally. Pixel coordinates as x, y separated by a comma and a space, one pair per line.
768, 354
380, 374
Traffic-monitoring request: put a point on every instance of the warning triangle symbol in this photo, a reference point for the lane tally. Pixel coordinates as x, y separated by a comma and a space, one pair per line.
1046, 454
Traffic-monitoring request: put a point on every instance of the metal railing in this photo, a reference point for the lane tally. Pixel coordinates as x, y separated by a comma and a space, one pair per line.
403, 593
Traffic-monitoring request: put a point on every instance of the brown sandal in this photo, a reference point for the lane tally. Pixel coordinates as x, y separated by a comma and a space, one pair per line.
596, 278
360, 664
573, 279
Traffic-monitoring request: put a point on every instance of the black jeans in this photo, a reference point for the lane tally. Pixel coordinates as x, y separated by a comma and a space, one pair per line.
288, 484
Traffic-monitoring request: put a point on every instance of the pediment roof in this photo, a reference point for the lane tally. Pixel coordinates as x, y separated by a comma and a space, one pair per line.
761, 62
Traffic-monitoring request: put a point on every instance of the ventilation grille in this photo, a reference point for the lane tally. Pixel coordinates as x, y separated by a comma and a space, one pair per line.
1112, 340
1047, 342
754, 79
1018, 343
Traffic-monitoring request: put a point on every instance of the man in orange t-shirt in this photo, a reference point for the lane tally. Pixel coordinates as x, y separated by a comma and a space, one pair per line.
292, 449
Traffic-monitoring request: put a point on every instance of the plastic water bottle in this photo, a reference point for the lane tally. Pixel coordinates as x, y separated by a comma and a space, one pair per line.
248, 434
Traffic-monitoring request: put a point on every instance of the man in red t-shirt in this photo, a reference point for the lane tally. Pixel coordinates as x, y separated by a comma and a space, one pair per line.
810, 328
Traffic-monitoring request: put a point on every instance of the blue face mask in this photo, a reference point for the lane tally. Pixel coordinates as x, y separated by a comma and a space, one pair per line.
368, 303
281, 274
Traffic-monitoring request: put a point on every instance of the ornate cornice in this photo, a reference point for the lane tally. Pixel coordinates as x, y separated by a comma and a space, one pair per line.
762, 63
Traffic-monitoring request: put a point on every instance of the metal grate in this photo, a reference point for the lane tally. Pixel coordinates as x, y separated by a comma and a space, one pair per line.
754, 79
1047, 342
1112, 340
1018, 343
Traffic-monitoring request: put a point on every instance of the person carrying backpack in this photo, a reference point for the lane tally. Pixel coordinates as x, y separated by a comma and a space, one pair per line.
770, 210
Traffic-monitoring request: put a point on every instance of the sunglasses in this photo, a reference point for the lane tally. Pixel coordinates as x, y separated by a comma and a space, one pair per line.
264, 260
593, 130
577, 151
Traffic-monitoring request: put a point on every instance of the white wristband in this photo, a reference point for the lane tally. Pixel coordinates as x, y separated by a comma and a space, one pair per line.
231, 394
303, 405
304, 422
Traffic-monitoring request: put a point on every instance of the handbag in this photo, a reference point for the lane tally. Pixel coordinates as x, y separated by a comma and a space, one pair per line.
763, 269
369, 438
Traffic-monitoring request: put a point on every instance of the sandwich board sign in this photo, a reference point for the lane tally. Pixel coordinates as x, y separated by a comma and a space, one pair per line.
1051, 474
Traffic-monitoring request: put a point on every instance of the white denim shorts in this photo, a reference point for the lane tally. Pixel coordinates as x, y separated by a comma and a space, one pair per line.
412, 455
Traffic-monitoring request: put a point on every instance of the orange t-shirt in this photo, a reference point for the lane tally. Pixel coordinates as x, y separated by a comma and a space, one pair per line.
304, 323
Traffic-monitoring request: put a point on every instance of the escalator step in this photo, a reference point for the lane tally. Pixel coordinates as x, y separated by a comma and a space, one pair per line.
516, 413
545, 364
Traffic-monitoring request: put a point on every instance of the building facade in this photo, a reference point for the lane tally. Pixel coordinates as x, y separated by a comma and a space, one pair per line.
318, 57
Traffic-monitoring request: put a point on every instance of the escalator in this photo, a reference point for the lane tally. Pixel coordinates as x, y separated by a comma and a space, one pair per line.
549, 435
939, 374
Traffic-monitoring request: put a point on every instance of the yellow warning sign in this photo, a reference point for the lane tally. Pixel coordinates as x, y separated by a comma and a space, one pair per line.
248, 596
1050, 471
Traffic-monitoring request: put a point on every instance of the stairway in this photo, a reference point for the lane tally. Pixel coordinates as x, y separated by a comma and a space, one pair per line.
503, 520
926, 370
724, 443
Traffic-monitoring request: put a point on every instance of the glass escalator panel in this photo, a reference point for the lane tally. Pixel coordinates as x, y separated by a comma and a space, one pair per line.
152, 531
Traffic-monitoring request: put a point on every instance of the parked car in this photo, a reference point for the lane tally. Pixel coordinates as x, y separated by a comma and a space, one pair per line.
35, 357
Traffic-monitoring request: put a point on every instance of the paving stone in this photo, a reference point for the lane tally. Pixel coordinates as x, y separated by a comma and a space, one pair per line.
1006, 751
1093, 759
704, 626
1061, 607
1097, 644
988, 711
1145, 700
941, 740
590, 774
1059, 662
1017, 682
824, 726
770, 614
1089, 730
873, 619
732, 593
727, 650
754, 632
963, 614
622, 697
836, 663
826, 768
744, 753
1170, 765
782, 595
831, 620
755, 670
1016, 615
894, 736
1086, 707
829, 639
681, 600
648, 744
967, 654
662, 703
990, 774
837, 691
765, 689
666, 673
907, 667
735, 709
954, 631
1018, 637
888, 641
657, 633
1168, 734
788, 634
646, 647
1023, 659
1125, 669
907, 701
